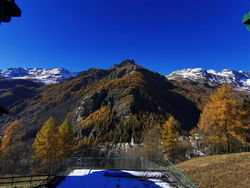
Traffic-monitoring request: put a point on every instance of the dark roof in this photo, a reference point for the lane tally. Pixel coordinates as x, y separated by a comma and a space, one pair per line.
3, 110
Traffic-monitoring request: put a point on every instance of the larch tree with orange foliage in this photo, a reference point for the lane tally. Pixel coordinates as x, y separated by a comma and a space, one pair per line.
13, 149
11, 138
221, 120
46, 142
170, 132
65, 140
152, 144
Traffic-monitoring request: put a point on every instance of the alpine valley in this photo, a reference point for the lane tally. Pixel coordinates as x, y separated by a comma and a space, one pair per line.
113, 104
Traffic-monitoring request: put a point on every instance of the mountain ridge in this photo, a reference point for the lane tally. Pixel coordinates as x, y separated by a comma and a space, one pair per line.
40, 75
239, 80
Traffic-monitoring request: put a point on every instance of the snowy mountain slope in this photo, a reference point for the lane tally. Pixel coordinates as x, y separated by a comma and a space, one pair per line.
45, 76
239, 80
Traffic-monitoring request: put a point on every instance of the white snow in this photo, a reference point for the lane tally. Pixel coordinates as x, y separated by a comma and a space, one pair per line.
112, 178
248, 82
45, 76
190, 73
237, 79
211, 71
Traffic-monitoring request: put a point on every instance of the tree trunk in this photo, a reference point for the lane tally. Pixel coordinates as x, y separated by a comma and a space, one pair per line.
228, 144
173, 156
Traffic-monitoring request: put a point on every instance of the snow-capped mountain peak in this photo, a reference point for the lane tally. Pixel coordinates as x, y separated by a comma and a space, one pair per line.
190, 73
211, 71
237, 79
45, 76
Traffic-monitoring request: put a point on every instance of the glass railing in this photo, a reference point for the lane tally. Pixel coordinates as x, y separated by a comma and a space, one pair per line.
135, 164
59, 168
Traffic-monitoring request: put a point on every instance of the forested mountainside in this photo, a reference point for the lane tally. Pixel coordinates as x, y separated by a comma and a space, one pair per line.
12, 92
105, 105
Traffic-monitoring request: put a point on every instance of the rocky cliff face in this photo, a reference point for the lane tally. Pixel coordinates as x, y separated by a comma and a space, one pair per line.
107, 96
128, 101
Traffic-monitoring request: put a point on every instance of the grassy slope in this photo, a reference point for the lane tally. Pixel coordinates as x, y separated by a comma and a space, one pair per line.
229, 170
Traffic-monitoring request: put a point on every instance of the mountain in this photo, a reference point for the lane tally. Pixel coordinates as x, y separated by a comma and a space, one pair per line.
239, 80
45, 76
103, 105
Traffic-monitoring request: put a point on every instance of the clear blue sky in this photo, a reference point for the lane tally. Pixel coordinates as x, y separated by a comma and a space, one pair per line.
162, 35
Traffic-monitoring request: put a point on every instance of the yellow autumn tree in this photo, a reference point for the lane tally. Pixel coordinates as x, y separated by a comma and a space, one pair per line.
151, 144
11, 138
13, 150
46, 142
170, 133
243, 132
65, 140
221, 120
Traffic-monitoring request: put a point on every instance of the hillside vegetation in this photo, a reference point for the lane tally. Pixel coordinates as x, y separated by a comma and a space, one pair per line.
107, 107
229, 170
127, 99
133, 94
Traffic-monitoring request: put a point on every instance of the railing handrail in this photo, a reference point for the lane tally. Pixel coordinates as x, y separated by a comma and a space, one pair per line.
183, 175
22, 176
115, 158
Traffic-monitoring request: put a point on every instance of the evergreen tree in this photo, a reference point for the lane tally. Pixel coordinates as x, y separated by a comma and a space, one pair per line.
221, 120
65, 140
170, 133
46, 142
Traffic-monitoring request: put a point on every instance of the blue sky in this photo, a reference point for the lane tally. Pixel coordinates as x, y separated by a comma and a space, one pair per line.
162, 35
